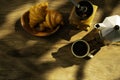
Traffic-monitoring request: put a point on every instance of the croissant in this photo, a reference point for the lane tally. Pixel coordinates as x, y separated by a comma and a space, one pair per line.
37, 13
52, 19
46, 20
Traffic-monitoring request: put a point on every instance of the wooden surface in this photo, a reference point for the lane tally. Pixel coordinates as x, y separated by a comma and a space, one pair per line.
26, 57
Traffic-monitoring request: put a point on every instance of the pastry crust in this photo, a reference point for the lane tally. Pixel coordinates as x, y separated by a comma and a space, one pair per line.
43, 19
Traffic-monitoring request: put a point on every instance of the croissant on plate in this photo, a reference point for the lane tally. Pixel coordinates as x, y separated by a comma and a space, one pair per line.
43, 19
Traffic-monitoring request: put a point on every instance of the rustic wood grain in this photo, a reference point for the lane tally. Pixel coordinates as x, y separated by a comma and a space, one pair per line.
26, 57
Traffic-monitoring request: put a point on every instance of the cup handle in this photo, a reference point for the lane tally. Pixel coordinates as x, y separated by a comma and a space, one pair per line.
90, 56
93, 52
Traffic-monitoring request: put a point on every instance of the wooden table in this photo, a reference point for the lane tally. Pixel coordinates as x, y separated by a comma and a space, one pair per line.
26, 57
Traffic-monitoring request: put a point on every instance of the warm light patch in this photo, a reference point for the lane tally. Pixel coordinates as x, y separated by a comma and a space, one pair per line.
60, 73
8, 27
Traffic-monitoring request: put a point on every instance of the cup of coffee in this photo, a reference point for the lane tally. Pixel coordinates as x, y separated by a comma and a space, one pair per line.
86, 49
81, 49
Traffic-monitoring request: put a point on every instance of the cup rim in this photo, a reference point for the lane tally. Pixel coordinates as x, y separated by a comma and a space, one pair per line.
87, 53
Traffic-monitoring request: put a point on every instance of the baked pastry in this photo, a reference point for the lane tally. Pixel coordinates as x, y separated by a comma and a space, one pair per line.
37, 13
43, 19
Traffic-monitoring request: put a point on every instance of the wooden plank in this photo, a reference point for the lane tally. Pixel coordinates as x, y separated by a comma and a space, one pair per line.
26, 57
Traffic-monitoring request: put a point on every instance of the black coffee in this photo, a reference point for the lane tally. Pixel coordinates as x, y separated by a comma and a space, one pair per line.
80, 48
